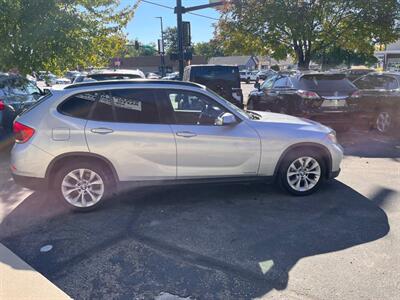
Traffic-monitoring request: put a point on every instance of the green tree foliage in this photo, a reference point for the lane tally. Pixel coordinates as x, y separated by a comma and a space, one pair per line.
305, 28
144, 50
171, 40
58, 34
209, 49
336, 56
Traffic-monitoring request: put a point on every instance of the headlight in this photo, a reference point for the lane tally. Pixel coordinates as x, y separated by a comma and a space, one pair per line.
332, 137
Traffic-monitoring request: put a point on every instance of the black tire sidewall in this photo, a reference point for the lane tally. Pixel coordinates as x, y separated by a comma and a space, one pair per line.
289, 159
59, 176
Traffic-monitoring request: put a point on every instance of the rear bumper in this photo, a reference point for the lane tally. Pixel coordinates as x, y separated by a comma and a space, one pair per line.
33, 183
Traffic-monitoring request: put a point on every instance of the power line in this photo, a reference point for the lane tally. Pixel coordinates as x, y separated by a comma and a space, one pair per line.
170, 7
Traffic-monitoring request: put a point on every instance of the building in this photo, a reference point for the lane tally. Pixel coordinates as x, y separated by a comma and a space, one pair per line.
389, 59
152, 63
243, 62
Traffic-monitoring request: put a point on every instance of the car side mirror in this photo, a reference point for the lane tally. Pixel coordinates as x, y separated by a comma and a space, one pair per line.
226, 119
257, 85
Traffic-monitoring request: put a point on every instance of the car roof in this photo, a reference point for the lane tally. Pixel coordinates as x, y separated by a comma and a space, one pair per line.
211, 66
133, 82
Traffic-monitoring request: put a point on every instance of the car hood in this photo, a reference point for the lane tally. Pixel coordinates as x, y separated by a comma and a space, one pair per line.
282, 119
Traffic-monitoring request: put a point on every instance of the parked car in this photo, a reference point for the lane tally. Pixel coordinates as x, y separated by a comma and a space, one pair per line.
318, 96
84, 129
119, 74
71, 75
248, 76
16, 94
152, 75
172, 76
222, 79
379, 100
264, 74
357, 72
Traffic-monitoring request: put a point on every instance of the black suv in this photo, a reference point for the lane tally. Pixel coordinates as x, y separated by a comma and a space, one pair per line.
324, 97
222, 79
380, 100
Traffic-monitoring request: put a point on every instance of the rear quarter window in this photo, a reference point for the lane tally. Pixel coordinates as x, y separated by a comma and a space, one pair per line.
78, 106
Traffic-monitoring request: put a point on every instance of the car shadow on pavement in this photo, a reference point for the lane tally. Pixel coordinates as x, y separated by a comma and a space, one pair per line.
230, 241
370, 143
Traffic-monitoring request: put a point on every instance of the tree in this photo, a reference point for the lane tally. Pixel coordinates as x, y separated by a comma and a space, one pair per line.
144, 50
208, 49
171, 40
57, 35
304, 28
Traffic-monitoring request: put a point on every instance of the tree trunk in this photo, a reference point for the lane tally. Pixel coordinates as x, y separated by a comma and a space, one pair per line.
303, 55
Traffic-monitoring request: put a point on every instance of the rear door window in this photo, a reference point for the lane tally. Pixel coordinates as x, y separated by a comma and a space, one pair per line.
135, 106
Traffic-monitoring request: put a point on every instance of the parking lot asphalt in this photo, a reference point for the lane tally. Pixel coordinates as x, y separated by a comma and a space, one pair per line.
223, 242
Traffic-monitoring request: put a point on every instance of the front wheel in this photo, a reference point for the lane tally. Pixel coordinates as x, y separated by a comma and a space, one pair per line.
302, 173
82, 186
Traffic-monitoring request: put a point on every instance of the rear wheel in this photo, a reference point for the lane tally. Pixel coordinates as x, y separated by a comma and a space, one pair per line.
383, 122
250, 104
302, 172
82, 186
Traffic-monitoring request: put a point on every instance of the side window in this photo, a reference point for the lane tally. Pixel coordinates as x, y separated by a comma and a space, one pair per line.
79, 105
365, 83
135, 106
194, 109
103, 110
268, 83
281, 83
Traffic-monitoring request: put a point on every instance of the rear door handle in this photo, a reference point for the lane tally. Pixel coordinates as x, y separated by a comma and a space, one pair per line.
186, 134
102, 130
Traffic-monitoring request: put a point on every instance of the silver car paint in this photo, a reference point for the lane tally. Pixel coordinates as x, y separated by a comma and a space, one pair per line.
151, 152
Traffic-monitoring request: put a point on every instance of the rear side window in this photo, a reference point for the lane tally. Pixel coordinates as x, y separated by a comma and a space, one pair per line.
210, 76
326, 83
79, 105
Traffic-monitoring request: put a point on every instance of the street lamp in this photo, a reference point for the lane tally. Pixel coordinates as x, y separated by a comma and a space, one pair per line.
161, 48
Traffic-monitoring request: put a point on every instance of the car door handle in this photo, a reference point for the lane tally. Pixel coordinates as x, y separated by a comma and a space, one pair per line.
186, 134
102, 130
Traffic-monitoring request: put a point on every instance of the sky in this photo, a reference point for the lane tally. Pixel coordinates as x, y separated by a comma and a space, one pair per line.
146, 28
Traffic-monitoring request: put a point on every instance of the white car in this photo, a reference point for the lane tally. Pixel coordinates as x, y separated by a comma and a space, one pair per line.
248, 76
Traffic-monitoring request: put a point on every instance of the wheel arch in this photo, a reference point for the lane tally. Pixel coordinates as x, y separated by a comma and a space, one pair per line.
60, 160
325, 154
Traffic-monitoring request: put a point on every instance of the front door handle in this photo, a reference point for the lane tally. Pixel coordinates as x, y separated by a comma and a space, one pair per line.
186, 134
102, 130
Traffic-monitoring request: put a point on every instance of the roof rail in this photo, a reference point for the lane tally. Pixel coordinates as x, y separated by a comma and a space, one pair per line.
132, 81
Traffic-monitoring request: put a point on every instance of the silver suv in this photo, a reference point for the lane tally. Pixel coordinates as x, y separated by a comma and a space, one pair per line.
87, 141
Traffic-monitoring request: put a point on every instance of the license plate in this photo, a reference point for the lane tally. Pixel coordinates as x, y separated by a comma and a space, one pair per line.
334, 103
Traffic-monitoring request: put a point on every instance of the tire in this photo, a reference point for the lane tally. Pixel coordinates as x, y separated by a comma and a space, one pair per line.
312, 172
250, 104
94, 183
383, 122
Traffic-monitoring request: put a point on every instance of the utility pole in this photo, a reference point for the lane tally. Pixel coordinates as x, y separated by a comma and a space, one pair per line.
162, 50
180, 10
181, 59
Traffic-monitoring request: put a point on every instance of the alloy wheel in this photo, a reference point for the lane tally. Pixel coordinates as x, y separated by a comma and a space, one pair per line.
383, 122
82, 188
303, 174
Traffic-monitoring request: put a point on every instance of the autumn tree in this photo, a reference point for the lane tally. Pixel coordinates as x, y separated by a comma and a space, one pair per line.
57, 34
305, 28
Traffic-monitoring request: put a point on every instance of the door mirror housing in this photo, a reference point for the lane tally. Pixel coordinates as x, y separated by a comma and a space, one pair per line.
226, 119
257, 85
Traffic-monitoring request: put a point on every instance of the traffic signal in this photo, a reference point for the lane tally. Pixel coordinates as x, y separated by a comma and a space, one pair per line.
187, 37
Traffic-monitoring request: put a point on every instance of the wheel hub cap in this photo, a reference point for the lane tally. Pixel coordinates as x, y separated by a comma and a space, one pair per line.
303, 174
82, 188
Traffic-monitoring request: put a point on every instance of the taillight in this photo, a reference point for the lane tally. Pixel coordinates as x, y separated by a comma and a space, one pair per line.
308, 95
356, 95
2, 105
22, 133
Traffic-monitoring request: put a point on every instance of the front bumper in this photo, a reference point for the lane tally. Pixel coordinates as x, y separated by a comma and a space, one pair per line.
33, 183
